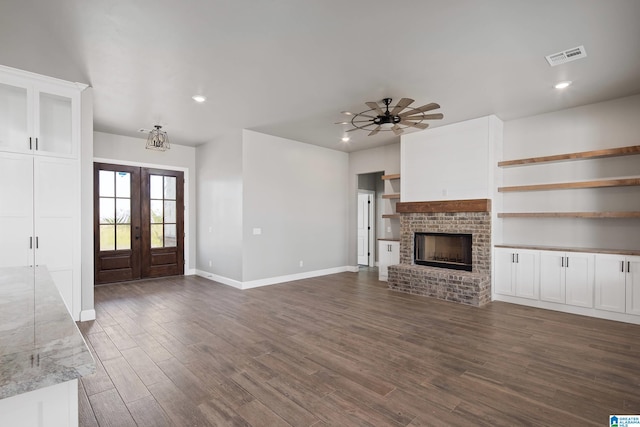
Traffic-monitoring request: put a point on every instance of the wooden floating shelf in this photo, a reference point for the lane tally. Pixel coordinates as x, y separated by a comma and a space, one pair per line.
391, 176
445, 206
391, 196
391, 216
596, 154
569, 215
569, 185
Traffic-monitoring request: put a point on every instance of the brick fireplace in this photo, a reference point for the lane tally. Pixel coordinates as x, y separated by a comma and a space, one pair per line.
447, 217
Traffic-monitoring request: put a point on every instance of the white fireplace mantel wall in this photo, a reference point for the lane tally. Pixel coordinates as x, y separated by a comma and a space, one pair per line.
454, 162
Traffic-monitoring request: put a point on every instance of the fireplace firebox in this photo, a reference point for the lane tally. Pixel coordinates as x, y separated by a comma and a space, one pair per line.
445, 250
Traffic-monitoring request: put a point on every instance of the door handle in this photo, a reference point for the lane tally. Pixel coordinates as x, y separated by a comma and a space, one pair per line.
30, 242
36, 143
622, 266
30, 144
562, 261
36, 242
628, 266
567, 262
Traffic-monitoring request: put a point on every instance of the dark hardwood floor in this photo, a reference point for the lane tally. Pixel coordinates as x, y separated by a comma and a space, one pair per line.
343, 350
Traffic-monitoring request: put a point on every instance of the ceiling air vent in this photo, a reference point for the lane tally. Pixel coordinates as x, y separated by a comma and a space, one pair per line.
566, 56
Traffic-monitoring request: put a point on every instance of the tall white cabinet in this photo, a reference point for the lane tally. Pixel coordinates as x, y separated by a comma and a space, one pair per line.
40, 128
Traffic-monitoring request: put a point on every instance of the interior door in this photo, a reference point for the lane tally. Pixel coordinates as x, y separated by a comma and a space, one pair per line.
117, 234
162, 203
364, 200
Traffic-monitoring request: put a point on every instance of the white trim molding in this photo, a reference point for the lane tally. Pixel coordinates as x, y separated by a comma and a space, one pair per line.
86, 315
274, 280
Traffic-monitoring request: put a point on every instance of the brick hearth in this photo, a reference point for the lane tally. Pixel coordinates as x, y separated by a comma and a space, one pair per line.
473, 288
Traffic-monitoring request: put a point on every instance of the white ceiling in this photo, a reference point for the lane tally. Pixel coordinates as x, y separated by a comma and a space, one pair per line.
288, 67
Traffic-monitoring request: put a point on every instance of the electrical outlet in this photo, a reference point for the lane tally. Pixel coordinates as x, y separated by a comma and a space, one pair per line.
301, 263
210, 263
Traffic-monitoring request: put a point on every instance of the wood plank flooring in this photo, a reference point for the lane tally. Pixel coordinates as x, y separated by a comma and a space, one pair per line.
343, 350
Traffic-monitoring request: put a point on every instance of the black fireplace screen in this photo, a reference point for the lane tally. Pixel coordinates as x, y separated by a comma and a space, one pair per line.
444, 250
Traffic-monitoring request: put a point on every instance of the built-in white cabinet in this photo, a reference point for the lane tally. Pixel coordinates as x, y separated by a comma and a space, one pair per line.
597, 283
40, 178
388, 254
516, 272
38, 117
617, 283
567, 278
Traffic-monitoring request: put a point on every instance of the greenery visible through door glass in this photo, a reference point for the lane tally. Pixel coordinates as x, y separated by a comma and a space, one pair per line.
162, 209
114, 213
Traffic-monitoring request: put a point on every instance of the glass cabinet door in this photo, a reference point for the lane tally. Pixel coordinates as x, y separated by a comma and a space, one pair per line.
55, 124
14, 118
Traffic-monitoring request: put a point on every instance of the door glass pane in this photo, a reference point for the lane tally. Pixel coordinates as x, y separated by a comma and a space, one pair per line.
170, 187
123, 184
106, 182
156, 211
170, 235
156, 186
123, 211
157, 237
107, 237
55, 123
169, 211
123, 236
107, 210
13, 118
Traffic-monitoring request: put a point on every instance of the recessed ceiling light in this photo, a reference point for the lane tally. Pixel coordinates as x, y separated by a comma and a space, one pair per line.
199, 98
563, 85
345, 139
348, 113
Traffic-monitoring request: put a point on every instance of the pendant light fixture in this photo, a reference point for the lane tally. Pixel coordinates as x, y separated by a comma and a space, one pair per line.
158, 139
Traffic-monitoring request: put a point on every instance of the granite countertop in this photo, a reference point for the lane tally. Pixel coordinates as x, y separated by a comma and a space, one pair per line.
40, 344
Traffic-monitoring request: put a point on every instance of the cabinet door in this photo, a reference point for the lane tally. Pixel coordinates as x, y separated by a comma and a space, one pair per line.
610, 272
394, 257
503, 271
552, 276
55, 199
15, 118
579, 279
526, 274
16, 210
384, 259
633, 284
55, 122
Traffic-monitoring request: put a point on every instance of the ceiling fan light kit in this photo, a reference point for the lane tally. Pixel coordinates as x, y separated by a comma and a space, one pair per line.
379, 118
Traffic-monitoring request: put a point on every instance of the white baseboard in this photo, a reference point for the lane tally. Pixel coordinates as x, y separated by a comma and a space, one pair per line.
353, 268
274, 280
86, 315
190, 272
584, 311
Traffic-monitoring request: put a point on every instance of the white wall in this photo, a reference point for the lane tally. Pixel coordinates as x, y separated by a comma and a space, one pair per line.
608, 124
386, 159
126, 150
450, 162
219, 209
296, 194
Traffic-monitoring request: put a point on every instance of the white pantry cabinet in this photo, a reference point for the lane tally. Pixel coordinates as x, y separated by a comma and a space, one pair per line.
40, 178
516, 272
388, 254
617, 283
567, 278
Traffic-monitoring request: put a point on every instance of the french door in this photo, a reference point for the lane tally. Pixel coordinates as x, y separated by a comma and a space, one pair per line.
138, 223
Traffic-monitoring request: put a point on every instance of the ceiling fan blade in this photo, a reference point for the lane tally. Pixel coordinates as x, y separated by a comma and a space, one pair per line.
414, 125
397, 130
374, 106
414, 111
376, 130
401, 105
425, 117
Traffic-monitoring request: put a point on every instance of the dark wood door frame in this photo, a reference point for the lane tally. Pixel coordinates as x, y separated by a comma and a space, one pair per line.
141, 261
117, 265
165, 261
